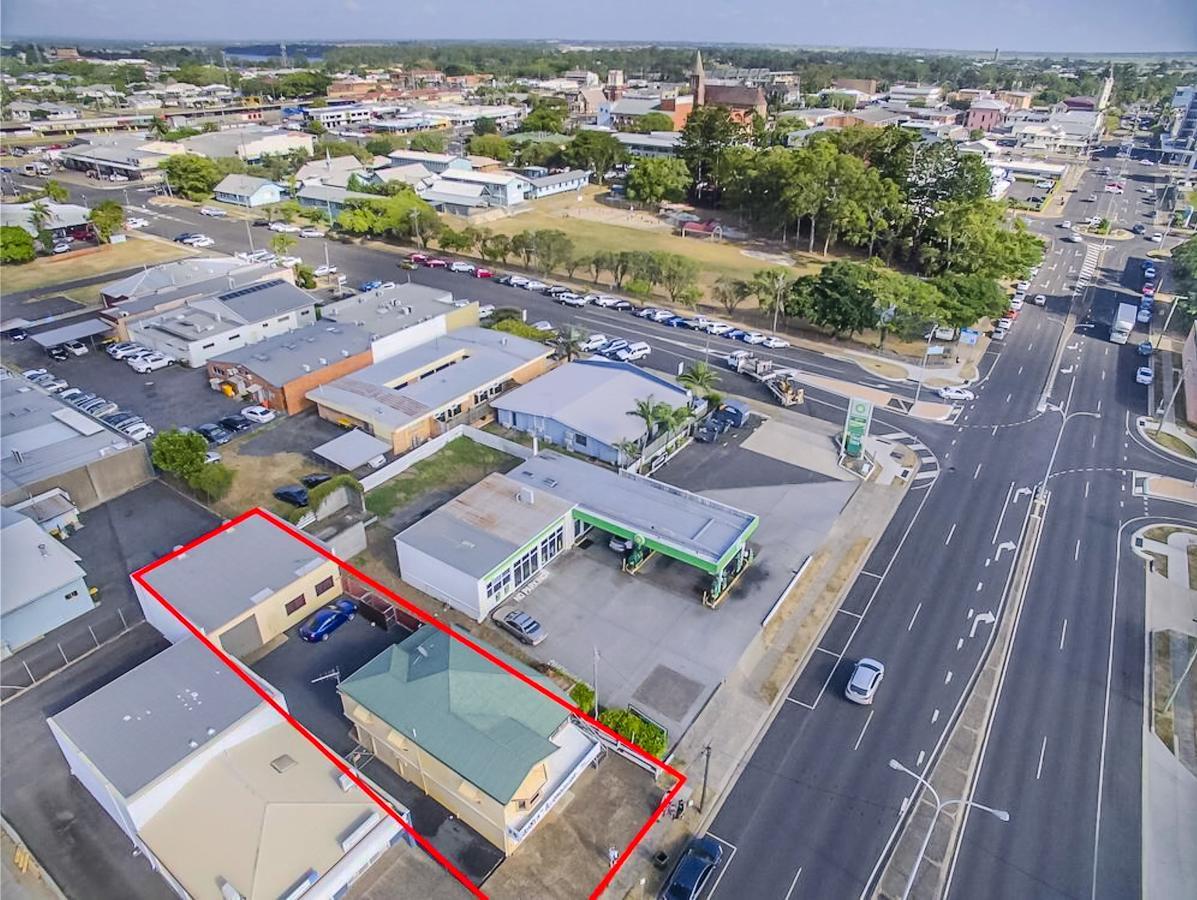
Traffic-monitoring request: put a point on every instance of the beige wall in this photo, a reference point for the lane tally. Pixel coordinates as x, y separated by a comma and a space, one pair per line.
97, 482
271, 614
414, 764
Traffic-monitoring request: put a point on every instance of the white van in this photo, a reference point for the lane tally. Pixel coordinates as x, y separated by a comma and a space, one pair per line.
633, 352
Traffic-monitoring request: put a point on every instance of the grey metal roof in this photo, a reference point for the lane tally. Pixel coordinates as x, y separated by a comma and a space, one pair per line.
232, 572
41, 437
353, 449
468, 359
689, 522
633, 106
560, 178
165, 295
594, 397
140, 726
242, 185
285, 357
484, 525
175, 274
87, 328
60, 215
34, 564
461, 708
388, 310
321, 193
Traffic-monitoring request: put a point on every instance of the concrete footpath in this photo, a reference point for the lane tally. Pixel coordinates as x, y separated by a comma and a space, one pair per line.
720, 742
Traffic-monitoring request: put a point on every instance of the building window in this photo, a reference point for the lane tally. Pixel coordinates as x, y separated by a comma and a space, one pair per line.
297, 603
448, 413
72, 595
579, 440
552, 545
234, 337
207, 346
324, 586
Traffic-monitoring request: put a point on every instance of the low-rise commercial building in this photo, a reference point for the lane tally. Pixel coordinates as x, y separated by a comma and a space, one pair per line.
246, 190
584, 406
42, 585
242, 587
278, 372
985, 114
418, 393
203, 328
61, 218
652, 145
488, 747
927, 94
202, 271
401, 317
221, 795
249, 143
437, 163
503, 189
542, 184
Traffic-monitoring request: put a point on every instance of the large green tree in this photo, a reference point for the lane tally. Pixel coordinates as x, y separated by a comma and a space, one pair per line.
597, 151
492, 145
706, 137
653, 121
193, 177
16, 245
656, 180
107, 218
179, 452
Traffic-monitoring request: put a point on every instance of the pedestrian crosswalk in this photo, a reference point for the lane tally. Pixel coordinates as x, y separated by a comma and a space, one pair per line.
928, 463
1088, 266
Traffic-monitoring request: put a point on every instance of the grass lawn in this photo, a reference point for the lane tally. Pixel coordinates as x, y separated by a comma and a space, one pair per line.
595, 226
1173, 443
454, 467
47, 271
257, 476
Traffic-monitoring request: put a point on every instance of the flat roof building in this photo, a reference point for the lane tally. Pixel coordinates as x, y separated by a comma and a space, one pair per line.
420, 392
401, 317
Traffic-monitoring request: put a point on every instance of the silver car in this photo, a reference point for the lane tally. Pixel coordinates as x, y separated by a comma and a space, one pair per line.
523, 626
866, 678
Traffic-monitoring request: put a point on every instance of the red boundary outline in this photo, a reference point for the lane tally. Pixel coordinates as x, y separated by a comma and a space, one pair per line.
139, 577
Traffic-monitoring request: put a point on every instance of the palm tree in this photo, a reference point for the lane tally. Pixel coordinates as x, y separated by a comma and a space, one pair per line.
770, 287
39, 214
568, 344
699, 377
674, 418
731, 292
627, 449
281, 244
645, 411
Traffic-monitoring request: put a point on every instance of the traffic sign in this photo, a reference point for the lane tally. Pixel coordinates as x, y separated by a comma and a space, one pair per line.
968, 336
856, 425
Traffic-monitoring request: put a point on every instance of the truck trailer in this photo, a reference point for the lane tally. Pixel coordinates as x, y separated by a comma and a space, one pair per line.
1123, 324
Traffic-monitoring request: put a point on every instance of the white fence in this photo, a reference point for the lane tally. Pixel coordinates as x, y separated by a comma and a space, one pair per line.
409, 459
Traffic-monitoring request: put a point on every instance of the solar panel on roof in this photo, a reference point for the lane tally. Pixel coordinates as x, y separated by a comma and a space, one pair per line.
252, 289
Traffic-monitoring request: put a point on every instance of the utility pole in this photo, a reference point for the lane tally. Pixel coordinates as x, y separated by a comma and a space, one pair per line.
918, 388
596, 699
249, 235
706, 769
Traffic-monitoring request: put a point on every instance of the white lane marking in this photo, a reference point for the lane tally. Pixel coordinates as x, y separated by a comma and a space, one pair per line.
922, 756
1042, 750
792, 883
871, 574
915, 616
828, 652
947, 679
1009, 397
799, 703
959, 643
1086, 490
1003, 513
860, 737
726, 866
1076, 554
980, 584
1063, 633
935, 717
978, 472
951, 532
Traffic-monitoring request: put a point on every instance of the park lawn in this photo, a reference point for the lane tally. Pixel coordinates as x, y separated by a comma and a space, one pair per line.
48, 271
591, 234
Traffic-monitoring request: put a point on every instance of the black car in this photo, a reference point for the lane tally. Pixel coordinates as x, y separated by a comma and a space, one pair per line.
694, 869
58, 353
235, 423
120, 418
622, 305
295, 494
261, 223
314, 479
17, 334
214, 434
555, 289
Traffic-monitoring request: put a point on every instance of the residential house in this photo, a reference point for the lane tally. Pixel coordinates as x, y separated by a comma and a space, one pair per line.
247, 190
158, 287
47, 444
585, 406
414, 175
502, 189
242, 587
454, 198
43, 584
183, 754
278, 372
61, 218
205, 327
490, 748
332, 200
417, 394
318, 171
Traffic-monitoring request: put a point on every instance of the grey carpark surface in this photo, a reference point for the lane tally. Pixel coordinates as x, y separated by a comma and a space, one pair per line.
17, 306
168, 398
659, 647
117, 537
291, 434
294, 664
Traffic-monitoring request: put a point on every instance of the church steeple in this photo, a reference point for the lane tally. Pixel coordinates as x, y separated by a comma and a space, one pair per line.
698, 80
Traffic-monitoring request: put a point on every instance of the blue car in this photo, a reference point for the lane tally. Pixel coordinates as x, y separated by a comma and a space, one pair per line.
1146, 349
674, 322
369, 286
328, 620
735, 334
694, 870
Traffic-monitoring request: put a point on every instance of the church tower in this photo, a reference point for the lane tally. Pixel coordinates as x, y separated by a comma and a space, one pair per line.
698, 81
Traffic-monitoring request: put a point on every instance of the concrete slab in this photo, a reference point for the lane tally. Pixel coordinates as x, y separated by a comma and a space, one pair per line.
1169, 810
811, 451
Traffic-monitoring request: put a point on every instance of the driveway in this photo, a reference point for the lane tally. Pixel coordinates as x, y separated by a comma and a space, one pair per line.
294, 667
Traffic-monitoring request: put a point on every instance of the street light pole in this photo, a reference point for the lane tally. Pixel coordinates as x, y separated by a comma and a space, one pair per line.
918, 388
940, 806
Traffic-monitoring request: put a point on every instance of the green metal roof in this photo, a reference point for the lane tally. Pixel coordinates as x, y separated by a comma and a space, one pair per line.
476, 718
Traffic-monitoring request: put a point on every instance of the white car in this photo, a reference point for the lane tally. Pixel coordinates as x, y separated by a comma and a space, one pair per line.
53, 387
461, 267
1003, 324
719, 328
754, 337
137, 223
213, 211
518, 281
1044, 185
1066, 224
866, 678
1016, 303
311, 232
75, 348
322, 271
125, 350
533, 285
212, 457
259, 414
1022, 286
62, 248
775, 343
201, 240
1073, 238
1145, 375
139, 431
661, 315
605, 300
285, 228
956, 393
288, 261
1041, 300
592, 343
486, 310
633, 352
1157, 238
151, 363
572, 299
1146, 162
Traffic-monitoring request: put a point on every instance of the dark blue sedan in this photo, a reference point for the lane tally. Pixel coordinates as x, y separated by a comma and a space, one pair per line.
328, 620
367, 286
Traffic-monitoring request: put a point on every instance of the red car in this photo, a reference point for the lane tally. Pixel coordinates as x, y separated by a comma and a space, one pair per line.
417, 257
436, 264
483, 273
1010, 314
1148, 289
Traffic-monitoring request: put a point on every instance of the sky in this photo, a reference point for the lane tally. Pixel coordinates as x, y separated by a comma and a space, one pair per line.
1079, 26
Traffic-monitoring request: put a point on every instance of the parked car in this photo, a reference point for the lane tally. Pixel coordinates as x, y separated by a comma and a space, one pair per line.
33, 373
633, 352
99, 410
592, 343
775, 343
75, 348
1138, 228
151, 363
93, 404
284, 228
120, 418
532, 285
200, 241
694, 870
622, 305
1146, 348
1145, 375
866, 678
17, 334
62, 248
235, 423
719, 328
483, 273
70, 394
1143, 316
753, 337
288, 262
213, 211
435, 263
311, 233
459, 266
956, 393
139, 431
613, 347
259, 414
59, 353
367, 286
523, 626
212, 457
322, 271
54, 386
314, 479
214, 434
417, 258
1156, 238
295, 494
486, 310
1040, 299
85, 397
320, 626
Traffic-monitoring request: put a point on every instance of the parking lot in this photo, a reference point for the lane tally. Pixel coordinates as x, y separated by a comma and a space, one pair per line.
661, 649
169, 398
1022, 191
294, 667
